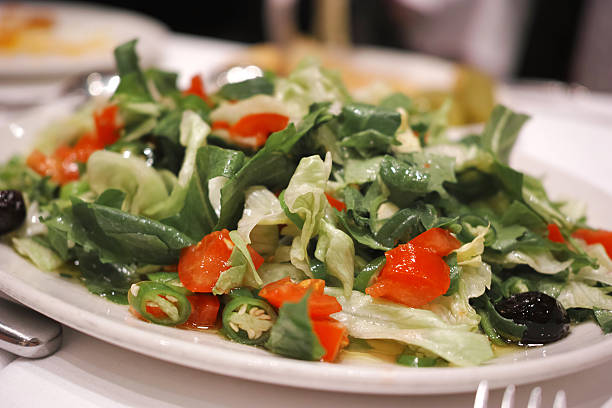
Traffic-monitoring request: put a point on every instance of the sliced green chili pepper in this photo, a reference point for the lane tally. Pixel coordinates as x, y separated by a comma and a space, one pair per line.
248, 320
365, 276
237, 292
171, 279
149, 294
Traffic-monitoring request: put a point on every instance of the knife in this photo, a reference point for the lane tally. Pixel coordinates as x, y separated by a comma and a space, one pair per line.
27, 333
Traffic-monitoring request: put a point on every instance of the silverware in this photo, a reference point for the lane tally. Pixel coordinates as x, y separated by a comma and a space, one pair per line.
535, 397
27, 333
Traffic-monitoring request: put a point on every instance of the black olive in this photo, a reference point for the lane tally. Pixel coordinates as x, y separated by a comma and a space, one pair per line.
12, 210
546, 319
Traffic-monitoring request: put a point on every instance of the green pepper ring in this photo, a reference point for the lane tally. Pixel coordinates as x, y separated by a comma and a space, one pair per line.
149, 291
240, 336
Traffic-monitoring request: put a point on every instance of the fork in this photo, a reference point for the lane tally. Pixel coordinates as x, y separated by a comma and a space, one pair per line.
535, 397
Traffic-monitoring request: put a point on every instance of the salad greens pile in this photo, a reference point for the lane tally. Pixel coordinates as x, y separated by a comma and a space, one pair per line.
325, 197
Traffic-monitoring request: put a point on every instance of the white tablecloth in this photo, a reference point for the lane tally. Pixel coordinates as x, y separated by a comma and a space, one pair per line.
89, 373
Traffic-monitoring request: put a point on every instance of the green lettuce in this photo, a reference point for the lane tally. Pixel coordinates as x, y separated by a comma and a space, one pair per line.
367, 318
305, 197
142, 184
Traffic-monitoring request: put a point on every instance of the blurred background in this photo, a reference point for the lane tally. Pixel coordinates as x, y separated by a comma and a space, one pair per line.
565, 40
429, 49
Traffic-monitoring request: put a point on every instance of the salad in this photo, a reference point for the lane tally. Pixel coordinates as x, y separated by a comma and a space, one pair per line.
284, 213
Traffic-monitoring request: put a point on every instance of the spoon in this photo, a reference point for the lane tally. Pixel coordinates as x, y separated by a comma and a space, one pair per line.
27, 333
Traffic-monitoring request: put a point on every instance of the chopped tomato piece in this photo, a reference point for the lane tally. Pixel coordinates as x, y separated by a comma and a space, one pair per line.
200, 265
260, 123
284, 290
204, 311
554, 233
221, 124
41, 164
257, 125
599, 236
438, 240
197, 88
332, 335
412, 275
107, 130
62, 165
334, 202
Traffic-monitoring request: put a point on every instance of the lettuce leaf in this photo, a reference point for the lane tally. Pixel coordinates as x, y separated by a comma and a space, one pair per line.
367, 318
305, 197
193, 135
261, 207
242, 271
143, 185
336, 249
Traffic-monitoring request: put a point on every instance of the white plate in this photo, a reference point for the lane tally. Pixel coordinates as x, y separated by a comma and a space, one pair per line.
80, 23
71, 304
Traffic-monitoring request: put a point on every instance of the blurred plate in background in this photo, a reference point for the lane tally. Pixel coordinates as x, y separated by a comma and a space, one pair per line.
44, 39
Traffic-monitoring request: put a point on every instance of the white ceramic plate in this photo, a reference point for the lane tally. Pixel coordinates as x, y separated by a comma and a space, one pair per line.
81, 23
71, 304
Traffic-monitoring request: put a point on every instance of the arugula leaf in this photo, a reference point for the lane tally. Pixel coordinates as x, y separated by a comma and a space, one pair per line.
120, 237
406, 224
357, 117
494, 325
292, 335
369, 142
133, 85
246, 89
197, 217
164, 81
368, 130
110, 280
501, 131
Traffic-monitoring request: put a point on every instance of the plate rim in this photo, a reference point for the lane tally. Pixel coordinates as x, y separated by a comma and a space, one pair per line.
383, 379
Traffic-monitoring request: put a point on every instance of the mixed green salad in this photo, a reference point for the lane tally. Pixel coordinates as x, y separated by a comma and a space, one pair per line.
290, 216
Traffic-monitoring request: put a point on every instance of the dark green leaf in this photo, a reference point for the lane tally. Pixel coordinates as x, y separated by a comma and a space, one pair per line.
246, 89
357, 117
120, 237
295, 218
369, 142
455, 274
110, 280
406, 183
111, 198
292, 335
132, 85
497, 327
604, 319
197, 218
164, 81
368, 273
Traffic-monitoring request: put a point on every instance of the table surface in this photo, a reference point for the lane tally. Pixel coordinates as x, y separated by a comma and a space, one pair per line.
87, 372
